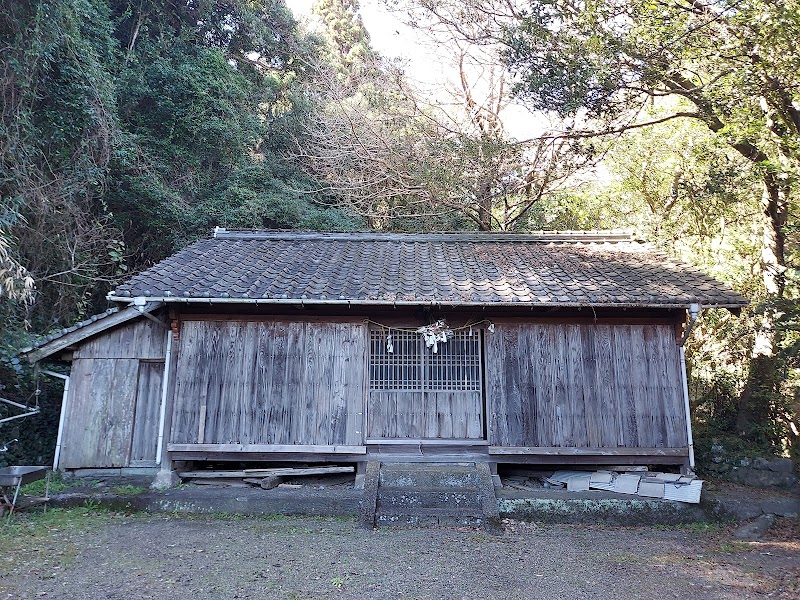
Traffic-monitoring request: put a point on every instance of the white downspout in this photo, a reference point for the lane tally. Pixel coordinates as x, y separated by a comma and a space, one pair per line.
164, 387
62, 418
694, 312
686, 406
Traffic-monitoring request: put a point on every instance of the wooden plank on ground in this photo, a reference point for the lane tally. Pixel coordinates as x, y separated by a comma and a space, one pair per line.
273, 472
295, 471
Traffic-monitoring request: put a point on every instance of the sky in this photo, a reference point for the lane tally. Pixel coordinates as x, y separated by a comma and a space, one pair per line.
389, 35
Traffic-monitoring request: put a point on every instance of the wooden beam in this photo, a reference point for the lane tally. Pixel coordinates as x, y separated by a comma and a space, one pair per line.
81, 333
267, 448
276, 472
268, 318
294, 457
524, 450
426, 442
620, 318
155, 319
591, 460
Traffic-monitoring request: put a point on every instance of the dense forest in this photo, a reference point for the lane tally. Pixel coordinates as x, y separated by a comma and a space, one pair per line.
132, 127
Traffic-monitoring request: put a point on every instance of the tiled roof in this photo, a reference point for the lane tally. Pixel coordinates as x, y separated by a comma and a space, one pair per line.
555, 269
95, 324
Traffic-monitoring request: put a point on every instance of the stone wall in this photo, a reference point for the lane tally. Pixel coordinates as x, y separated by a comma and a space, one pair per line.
762, 472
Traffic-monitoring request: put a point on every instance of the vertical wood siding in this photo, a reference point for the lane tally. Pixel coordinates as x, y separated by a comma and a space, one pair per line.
249, 382
112, 406
425, 415
97, 430
584, 386
138, 339
147, 413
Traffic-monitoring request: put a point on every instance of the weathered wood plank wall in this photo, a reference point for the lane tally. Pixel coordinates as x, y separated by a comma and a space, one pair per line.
425, 414
115, 391
142, 339
270, 382
584, 386
147, 413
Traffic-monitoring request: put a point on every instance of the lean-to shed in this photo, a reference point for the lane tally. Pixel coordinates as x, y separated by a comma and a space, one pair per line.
343, 347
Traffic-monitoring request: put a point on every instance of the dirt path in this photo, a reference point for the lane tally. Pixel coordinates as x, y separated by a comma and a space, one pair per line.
83, 554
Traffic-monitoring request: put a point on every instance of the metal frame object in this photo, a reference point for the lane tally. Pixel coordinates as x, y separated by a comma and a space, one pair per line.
16, 477
29, 411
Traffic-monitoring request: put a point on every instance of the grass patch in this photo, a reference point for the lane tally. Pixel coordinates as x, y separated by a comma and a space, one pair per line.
42, 541
58, 484
695, 527
36, 488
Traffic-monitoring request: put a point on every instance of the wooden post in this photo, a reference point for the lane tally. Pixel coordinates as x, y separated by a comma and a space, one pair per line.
361, 472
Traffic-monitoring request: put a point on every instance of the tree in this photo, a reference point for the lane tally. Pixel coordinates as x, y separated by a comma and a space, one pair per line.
15, 282
209, 108
130, 127
57, 129
349, 49
733, 67
398, 154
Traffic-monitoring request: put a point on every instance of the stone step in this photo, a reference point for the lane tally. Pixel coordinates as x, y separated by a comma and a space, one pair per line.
419, 494
393, 520
445, 498
429, 475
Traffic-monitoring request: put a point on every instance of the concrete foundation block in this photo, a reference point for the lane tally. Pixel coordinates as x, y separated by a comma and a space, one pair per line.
165, 479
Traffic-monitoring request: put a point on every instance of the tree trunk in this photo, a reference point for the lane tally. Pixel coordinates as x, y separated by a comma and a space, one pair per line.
763, 380
485, 206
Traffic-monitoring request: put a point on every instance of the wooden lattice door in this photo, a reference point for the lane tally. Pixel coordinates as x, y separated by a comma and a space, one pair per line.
416, 393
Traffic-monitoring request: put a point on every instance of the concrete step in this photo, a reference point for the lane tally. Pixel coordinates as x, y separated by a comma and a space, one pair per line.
429, 475
429, 494
430, 518
415, 498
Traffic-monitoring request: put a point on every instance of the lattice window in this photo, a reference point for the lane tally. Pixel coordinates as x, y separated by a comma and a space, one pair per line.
456, 366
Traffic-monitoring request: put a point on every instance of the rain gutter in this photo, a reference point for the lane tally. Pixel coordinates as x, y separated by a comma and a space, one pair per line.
346, 302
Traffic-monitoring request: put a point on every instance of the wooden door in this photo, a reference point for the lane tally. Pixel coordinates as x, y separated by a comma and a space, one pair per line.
147, 414
416, 393
97, 426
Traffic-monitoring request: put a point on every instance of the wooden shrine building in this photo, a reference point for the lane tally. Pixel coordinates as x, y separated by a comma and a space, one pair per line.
339, 347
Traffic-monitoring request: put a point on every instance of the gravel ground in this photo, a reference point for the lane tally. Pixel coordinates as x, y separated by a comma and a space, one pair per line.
84, 553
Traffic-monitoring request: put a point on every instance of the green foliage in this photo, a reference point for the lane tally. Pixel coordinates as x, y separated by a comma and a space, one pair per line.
135, 127
349, 49
57, 123
129, 129
207, 128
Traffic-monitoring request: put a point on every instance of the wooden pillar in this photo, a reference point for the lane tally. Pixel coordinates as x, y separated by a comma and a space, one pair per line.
361, 473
